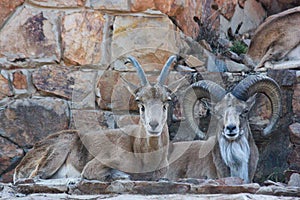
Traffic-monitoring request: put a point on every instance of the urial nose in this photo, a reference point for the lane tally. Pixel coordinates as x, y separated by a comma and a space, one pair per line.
153, 124
231, 128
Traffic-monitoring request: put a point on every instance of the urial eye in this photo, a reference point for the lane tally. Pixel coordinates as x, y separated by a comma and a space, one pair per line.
142, 107
165, 106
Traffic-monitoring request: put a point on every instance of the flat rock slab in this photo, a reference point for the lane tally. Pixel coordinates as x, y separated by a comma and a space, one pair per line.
210, 187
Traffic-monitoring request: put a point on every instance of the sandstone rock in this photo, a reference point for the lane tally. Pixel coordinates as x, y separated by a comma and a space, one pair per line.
8, 7
226, 7
235, 67
294, 180
140, 36
82, 37
10, 154
58, 3
65, 82
27, 121
5, 87
19, 80
54, 80
92, 187
146, 188
90, 120
296, 102
216, 189
37, 33
295, 133
280, 191
140, 5
41, 188
116, 5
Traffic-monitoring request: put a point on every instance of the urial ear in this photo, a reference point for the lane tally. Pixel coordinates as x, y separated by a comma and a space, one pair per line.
130, 86
251, 101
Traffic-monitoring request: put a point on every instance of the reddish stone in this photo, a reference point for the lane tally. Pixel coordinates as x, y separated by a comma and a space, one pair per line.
82, 36
19, 80
7, 7
142, 5
226, 7
5, 89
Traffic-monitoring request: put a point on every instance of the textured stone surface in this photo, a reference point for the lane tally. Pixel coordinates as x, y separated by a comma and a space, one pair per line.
54, 80
8, 7
294, 180
294, 158
9, 155
116, 5
140, 36
90, 120
5, 87
204, 189
27, 121
37, 33
19, 80
59, 3
68, 83
296, 100
295, 133
82, 37
226, 7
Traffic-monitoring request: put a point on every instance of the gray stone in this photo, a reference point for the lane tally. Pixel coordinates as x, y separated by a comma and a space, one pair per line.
235, 67
294, 180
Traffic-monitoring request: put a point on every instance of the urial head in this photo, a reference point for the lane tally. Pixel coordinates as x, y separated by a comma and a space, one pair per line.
232, 108
152, 98
232, 115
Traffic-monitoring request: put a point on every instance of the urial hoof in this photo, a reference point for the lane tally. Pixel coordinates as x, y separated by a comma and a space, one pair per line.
118, 175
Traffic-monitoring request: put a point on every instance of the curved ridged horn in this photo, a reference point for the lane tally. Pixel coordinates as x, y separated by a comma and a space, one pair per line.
164, 72
267, 86
195, 92
139, 69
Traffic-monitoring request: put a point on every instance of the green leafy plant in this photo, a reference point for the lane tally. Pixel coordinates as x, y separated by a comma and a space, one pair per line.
239, 47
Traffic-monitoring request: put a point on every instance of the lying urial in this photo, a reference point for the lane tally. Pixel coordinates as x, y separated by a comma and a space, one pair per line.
137, 151
232, 150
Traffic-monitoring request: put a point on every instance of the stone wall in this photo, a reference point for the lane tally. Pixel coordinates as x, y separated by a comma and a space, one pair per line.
61, 63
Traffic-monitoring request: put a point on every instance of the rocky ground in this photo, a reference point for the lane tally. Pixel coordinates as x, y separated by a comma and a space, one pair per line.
226, 188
